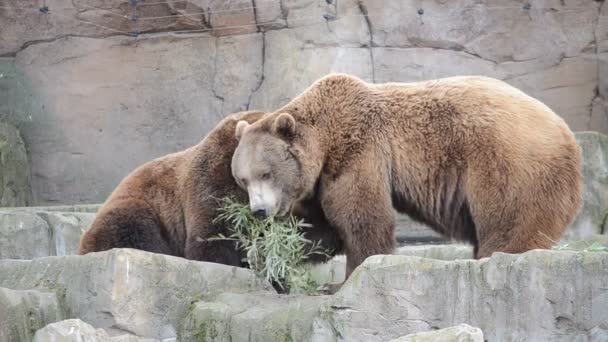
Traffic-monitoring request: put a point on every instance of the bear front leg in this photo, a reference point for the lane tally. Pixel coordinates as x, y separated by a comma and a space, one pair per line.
199, 229
217, 251
358, 204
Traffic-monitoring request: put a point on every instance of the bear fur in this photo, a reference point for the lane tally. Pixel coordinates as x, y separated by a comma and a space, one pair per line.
473, 157
168, 205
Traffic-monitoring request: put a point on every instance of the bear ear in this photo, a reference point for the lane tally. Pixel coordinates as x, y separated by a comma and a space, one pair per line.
284, 125
240, 128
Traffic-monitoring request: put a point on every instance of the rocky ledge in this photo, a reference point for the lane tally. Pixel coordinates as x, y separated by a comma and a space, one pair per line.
125, 294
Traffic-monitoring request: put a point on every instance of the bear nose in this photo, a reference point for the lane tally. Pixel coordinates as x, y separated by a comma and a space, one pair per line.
260, 213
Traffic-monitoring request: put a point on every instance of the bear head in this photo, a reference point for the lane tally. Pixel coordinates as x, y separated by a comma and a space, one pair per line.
274, 162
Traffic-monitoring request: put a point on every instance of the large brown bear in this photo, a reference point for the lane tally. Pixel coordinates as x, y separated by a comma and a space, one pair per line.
473, 157
168, 205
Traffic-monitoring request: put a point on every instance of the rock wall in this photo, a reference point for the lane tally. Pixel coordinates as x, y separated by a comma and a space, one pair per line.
15, 187
94, 102
131, 294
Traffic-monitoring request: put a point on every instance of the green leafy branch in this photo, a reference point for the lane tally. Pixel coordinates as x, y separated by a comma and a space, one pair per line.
276, 248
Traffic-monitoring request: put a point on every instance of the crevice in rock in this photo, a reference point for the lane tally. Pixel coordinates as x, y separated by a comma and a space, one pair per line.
364, 12
596, 94
213, 90
50, 40
255, 15
262, 77
52, 246
284, 12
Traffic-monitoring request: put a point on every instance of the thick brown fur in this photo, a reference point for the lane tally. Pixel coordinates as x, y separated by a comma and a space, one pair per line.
473, 157
168, 205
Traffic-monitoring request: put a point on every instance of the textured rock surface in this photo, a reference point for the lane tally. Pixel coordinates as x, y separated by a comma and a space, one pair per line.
259, 318
14, 168
333, 270
127, 290
79, 208
23, 312
153, 296
592, 217
168, 87
27, 234
390, 296
459, 333
75, 330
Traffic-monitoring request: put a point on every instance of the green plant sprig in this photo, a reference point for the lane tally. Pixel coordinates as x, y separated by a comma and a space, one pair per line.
276, 248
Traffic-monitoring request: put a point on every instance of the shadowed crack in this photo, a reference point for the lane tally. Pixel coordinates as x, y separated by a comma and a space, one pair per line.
259, 85
50, 40
597, 56
213, 90
255, 15
364, 12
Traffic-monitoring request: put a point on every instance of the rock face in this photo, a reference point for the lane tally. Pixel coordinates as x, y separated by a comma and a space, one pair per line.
24, 312
256, 318
14, 168
459, 333
333, 270
75, 330
390, 296
169, 87
420, 289
592, 219
28, 234
128, 290
130, 295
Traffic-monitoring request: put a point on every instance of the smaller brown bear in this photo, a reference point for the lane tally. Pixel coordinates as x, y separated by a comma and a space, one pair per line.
168, 205
473, 157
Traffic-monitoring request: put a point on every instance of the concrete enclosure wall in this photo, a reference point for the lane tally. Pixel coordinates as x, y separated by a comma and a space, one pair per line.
93, 102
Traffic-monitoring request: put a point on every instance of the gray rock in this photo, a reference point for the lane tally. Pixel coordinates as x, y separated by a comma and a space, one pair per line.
554, 86
492, 31
313, 43
28, 234
67, 229
447, 252
390, 296
14, 168
24, 235
144, 293
75, 330
78, 208
233, 85
24, 312
592, 216
77, 141
254, 317
333, 270
599, 116
601, 30
209, 17
459, 333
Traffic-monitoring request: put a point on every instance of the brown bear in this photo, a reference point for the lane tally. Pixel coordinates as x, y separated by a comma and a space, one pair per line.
168, 205
473, 157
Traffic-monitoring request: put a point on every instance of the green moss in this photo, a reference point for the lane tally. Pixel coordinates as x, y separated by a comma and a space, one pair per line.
200, 335
206, 331
597, 244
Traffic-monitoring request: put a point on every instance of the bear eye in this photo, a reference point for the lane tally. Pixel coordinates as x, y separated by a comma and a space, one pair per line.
244, 182
266, 175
